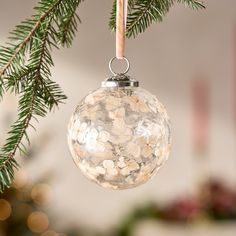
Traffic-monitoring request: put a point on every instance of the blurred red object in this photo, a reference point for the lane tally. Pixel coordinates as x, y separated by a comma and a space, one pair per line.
182, 210
200, 100
221, 200
215, 201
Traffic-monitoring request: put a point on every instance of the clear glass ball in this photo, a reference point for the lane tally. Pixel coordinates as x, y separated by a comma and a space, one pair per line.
119, 137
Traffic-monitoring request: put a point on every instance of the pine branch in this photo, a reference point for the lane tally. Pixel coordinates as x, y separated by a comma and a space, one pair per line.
194, 4
7, 171
41, 61
16, 134
143, 13
22, 33
34, 38
69, 26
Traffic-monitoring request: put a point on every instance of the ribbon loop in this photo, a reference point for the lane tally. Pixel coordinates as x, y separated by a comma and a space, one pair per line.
121, 16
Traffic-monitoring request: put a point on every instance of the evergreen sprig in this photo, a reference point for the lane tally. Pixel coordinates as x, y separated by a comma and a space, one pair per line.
26, 61
25, 70
142, 13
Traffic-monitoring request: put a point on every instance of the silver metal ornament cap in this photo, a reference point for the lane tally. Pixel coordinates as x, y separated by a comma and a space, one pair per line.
119, 79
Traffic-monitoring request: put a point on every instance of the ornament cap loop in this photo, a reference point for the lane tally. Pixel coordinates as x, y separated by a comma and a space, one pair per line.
111, 68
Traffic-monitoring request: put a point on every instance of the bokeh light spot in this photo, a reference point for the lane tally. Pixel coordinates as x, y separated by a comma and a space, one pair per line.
5, 209
38, 222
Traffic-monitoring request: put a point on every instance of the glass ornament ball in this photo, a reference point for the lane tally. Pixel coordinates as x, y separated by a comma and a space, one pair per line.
119, 135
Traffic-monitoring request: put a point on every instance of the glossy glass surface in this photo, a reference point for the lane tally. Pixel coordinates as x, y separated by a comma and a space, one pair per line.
119, 137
